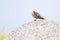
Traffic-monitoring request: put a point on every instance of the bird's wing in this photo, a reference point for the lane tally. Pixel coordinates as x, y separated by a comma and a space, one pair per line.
38, 14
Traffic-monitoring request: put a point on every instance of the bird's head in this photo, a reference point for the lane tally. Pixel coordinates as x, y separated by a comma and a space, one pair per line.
33, 12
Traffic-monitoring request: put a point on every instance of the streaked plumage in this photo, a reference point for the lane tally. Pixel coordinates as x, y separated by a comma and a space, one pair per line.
36, 15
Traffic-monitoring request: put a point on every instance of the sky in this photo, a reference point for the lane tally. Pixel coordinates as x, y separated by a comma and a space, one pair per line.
14, 13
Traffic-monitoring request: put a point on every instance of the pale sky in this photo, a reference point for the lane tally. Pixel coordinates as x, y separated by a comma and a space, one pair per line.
14, 13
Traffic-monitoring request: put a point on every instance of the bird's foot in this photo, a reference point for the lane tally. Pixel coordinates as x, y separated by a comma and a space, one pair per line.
35, 20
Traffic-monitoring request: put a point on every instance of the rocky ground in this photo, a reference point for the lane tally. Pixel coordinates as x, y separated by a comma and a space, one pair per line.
36, 30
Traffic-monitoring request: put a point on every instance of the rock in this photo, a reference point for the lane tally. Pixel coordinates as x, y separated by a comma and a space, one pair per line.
36, 30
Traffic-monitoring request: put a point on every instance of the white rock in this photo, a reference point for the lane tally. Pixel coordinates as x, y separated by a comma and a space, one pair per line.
36, 30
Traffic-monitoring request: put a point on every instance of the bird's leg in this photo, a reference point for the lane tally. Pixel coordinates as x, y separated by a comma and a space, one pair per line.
35, 20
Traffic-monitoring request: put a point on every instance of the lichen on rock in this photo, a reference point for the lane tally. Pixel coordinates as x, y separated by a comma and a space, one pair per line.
36, 30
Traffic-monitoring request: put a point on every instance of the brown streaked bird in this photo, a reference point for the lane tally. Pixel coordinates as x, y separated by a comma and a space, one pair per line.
36, 15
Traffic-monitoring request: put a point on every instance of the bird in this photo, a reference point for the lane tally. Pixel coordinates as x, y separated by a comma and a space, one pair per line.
36, 15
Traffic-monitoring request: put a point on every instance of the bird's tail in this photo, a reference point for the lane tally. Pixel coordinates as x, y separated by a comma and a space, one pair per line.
41, 18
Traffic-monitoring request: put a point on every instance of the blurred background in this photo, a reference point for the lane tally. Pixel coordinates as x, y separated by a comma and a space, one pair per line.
14, 13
